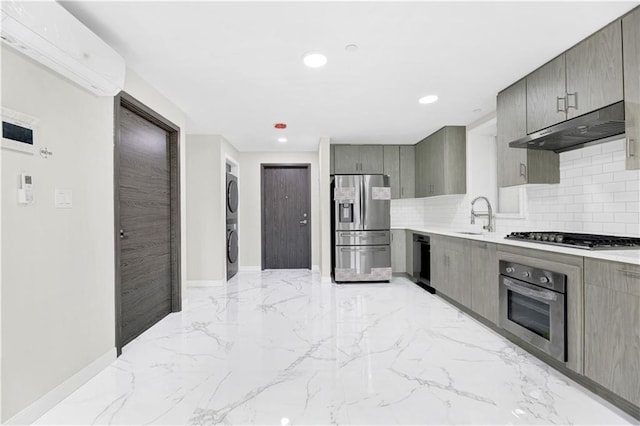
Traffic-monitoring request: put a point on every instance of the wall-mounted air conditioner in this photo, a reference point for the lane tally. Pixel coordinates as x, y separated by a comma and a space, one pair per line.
49, 34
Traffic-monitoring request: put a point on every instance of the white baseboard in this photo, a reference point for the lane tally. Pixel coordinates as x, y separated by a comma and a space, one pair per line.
38, 408
326, 279
205, 283
250, 269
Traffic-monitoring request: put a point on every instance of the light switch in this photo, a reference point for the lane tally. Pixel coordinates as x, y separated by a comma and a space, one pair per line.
63, 198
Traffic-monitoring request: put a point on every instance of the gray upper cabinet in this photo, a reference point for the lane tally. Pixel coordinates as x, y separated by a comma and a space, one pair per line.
407, 171
358, 159
371, 159
511, 125
332, 159
584, 78
611, 328
423, 188
519, 166
347, 159
391, 156
441, 163
546, 95
594, 71
631, 55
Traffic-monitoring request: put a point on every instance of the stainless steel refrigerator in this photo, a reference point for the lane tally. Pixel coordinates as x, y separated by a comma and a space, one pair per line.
361, 221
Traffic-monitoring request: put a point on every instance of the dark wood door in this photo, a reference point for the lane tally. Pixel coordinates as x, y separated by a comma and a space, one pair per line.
145, 224
286, 217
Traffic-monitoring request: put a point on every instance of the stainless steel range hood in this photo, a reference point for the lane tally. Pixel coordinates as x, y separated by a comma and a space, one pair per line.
595, 127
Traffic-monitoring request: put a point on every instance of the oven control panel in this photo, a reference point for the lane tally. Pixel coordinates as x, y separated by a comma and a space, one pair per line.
549, 279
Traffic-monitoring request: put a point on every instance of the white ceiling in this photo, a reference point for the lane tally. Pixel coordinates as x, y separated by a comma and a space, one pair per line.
235, 68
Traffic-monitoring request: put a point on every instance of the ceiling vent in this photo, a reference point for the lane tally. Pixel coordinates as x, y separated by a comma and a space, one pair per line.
49, 34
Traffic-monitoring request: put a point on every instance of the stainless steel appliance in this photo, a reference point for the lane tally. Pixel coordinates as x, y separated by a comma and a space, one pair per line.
422, 262
584, 241
533, 306
598, 126
361, 234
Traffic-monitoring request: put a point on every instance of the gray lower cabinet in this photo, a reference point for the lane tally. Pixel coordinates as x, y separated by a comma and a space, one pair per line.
407, 171
612, 326
631, 56
391, 166
484, 280
441, 163
398, 251
451, 268
358, 159
519, 166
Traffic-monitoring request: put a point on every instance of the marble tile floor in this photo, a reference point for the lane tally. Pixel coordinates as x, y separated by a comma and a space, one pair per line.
283, 348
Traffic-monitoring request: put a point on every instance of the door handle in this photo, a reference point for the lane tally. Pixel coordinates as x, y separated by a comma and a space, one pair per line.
629, 146
303, 222
575, 98
564, 104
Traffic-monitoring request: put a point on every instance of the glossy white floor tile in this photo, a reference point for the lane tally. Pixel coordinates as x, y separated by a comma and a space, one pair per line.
283, 348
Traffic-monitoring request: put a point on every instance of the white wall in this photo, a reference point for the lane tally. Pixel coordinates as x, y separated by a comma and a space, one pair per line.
324, 177
57, 278
206, 209
58, 275
249, 221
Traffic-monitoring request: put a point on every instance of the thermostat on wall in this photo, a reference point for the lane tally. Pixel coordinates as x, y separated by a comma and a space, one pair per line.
18, 131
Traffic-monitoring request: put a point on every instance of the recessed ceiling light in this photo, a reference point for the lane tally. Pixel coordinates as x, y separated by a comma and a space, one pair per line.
314, 60
351, 47
429, 99
282, 140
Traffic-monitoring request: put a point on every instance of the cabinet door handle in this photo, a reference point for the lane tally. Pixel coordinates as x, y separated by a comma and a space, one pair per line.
630, 149
575, 98
523, 170
482, 245
564, 104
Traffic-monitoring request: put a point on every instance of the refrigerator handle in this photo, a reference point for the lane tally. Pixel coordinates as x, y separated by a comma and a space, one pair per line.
362, 201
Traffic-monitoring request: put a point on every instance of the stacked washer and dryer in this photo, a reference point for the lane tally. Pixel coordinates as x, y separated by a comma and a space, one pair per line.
232, 225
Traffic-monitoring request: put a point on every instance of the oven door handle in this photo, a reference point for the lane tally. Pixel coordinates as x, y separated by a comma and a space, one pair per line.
547, 296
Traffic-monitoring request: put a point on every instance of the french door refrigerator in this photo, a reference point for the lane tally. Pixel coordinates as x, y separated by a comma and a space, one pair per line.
361, 222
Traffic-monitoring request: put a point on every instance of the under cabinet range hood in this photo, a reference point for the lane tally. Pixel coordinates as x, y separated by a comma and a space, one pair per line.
597, 126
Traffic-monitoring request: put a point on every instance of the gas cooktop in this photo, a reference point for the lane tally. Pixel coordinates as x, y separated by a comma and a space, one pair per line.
583, 241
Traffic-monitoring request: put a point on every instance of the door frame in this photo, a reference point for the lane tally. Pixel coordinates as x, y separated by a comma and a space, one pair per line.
263, 167
124, 100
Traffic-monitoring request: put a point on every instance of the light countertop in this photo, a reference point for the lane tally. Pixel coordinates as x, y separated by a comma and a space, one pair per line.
626, 256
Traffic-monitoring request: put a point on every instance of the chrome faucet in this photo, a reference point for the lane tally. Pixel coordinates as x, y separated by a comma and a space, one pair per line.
488, 214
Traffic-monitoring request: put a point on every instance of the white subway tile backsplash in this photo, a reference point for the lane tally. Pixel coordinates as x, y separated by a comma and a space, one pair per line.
625, 196
603, 178
615, 207
603, 217
627, 217
595, 194
616, 166
614, 187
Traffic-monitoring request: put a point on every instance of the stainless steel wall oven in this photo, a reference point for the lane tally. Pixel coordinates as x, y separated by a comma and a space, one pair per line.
533, 307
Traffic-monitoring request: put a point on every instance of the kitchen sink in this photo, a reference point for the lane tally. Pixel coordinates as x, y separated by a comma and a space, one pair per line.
469, 233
